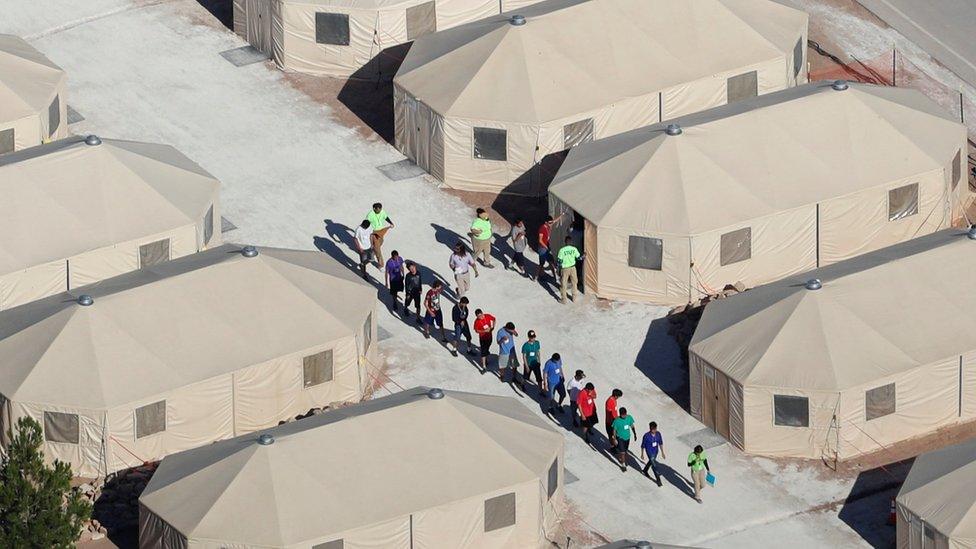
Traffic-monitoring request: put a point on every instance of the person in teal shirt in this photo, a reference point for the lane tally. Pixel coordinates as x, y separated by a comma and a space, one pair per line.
531, 365
623, 432
567, 257
699, 465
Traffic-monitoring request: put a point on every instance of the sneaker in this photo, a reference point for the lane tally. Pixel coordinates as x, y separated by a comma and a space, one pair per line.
659, 483
698, 500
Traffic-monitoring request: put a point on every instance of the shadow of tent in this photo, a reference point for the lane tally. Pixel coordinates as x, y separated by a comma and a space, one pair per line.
659, 359
526, 197
222, 10
368, 93
866, 508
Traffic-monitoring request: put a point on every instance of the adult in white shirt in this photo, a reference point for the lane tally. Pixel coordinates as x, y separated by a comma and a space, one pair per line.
461, 263
364, 245
575, 386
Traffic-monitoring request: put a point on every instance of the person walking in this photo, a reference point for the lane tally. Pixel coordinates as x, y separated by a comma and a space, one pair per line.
481, 238
364, 246
380, 223
651, 445
432, 306
545, 254
531, 364
507, 357
412, 286
519, 242
394, 278
586, 403
699, 466
623, 430
567, 256
461, 263
484, 326
610, 408
459, 314
575, 386
555, 382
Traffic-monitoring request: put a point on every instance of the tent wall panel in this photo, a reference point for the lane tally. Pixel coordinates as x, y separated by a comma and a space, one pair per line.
763, 437
591, 247
155, 533
394, 533
239, 13
97, 265
28, 131
968, 392
736, 414
90, 424
33, 283
695, 366
616, 279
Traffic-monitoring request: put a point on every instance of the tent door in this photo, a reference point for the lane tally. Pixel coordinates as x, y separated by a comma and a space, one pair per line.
418, 119
715, 401
259, 25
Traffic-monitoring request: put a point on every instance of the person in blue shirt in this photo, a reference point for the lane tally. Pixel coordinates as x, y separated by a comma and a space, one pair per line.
507, 357
651, 445
555, 383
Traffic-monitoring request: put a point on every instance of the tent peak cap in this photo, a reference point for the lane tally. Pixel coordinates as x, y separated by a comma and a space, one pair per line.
266, 439
673, 129
249, 251
840, 85
435, 394
93, 140
516, 20
85, 300
813, 284
971, 233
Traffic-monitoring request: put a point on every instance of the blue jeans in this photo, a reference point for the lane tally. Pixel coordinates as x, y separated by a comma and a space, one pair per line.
652, 465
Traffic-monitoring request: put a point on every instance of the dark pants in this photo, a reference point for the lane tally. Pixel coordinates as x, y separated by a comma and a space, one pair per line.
530, 370
557, 388
652, 465
413, 296
574, 408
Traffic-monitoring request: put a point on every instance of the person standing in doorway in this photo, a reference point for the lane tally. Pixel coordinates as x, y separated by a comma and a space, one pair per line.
610, 408
507, 356
545, 254
575, 386
394, 278
432, 306
699, 467
623, 431
364, 246
531, 363
567, 257
459, 314
481, 238
518, 242
651, 445
380, 223
586, 402
412, 286
484, 326
555, 382
461, 263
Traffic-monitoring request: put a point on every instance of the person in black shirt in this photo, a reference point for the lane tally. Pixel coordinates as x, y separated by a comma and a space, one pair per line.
412, 286
459, 314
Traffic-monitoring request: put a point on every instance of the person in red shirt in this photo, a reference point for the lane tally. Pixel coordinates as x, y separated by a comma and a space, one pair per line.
484, 325
432, 304
545, 254
586, 404
611, 409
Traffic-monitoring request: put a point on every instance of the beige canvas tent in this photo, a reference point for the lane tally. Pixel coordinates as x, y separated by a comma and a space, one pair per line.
760, 190
937, 502
177, 355
880, 350
75, 213
348, 37
420, 468
480, 106
32, 96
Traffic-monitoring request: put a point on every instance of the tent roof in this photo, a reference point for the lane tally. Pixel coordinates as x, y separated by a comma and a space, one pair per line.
757, 157
360, 4
66, 198
28, 79
399, 454
573, 56
877, 315
176, 323
941, 489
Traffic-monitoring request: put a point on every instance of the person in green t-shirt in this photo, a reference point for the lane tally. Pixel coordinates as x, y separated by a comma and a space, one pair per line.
699, 465
623, 431
567, 257
531, 352
380, 223
481, 238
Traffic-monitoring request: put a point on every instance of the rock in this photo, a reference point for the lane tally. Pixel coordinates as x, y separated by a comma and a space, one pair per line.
739, 287
95, 524
97, 536
678, 310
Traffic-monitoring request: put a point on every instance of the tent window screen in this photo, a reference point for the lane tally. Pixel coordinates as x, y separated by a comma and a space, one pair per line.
791, 411
743, 86
645, 253
317, 368
7, 140
903, 202
332, 29
208, 226
367, 332
491, 144
736, 246
577, 132
500, 512
61, 427
553, 481
421, 20
956, 168
151, 419
53, 116
797, 57
879, 402
153, 253
334, 544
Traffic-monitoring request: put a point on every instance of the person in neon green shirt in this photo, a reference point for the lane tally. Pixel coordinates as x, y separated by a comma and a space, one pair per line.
481, 238
699, 465
379, 222
567, 257
623, 431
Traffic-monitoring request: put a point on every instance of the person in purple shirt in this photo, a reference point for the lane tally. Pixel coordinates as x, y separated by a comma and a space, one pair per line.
651, 444
394, 278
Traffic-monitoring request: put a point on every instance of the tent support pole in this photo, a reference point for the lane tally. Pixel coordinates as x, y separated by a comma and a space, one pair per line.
960, 386
818, 235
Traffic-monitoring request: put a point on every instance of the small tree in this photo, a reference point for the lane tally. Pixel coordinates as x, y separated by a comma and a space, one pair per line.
38, 508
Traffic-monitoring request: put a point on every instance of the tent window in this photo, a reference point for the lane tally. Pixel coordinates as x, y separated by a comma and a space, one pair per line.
736, 246
903, 202
317, 368
577, 133
421, 20
791, 411
797, 57
7, 140
153, 253
743, 86
491, 144
956, 168
367, 333
332, 29
53, 116
500, 512
553, 482
645, 253
334, 544
151, 419
61, 427
208, 226
879, 402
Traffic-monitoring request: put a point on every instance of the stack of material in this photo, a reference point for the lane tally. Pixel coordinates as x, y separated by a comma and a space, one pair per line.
33, 109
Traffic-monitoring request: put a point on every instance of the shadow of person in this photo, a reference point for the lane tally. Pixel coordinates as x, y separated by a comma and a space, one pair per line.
676, 479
